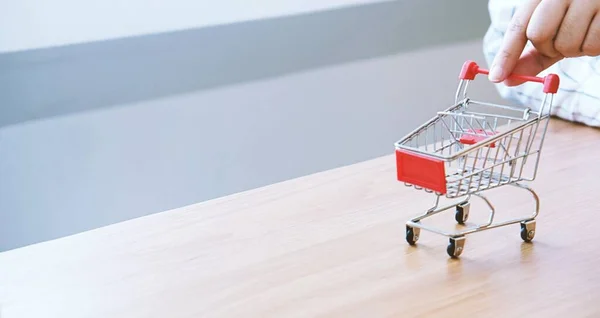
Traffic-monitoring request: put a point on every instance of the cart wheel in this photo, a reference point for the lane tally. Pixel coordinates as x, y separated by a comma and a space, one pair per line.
528, 230
462, 212
412, 235
456, 246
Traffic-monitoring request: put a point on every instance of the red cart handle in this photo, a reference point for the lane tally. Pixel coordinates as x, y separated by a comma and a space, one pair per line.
551, 81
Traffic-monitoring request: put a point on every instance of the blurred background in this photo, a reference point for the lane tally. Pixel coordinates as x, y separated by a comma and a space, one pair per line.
119, 109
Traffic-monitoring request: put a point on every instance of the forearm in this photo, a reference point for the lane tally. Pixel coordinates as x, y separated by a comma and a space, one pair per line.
578, 99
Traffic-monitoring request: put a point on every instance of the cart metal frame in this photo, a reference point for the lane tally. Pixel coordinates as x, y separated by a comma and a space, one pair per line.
473, 147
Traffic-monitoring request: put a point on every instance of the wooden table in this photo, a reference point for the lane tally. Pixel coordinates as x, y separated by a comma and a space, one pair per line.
330, 245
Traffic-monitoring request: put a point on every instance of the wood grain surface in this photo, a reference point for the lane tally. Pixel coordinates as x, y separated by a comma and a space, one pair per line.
330, 245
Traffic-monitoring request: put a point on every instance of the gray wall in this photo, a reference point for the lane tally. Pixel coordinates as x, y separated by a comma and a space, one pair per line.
97, 133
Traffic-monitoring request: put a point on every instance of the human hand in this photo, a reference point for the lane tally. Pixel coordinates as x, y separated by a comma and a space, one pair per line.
557, 29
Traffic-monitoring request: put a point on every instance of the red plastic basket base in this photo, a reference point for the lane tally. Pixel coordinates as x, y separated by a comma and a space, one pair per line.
422, 171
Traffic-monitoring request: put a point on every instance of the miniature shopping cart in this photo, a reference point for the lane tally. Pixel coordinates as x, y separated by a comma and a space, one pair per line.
472, 147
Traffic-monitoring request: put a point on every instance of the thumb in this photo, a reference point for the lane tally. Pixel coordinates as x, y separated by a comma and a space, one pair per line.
531, 63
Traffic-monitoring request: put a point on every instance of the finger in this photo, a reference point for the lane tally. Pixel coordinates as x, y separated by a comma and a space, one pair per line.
544, 25
513, 43
531, 63
591, 44
572, 31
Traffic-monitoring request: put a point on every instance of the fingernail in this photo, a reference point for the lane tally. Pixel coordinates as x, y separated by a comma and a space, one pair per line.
495, 74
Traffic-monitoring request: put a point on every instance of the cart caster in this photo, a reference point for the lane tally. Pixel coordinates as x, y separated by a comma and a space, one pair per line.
528, 230
455, 246
462, 213
412, 234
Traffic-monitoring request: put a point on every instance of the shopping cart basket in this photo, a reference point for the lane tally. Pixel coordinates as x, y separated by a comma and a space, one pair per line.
472, 147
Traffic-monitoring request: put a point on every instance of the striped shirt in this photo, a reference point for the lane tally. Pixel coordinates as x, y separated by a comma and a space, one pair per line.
578, 98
